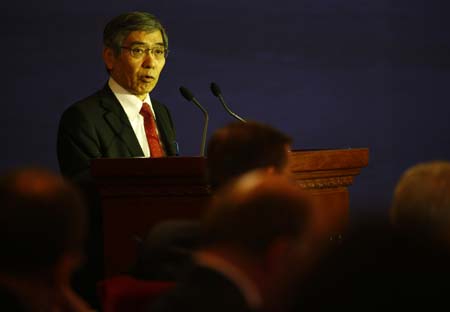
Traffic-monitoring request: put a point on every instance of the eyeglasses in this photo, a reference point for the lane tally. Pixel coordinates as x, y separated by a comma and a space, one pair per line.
158, 52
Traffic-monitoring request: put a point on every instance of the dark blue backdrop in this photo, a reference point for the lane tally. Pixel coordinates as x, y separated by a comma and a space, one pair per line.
332, 74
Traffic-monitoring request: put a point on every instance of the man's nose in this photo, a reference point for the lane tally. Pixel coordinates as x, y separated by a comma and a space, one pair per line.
149, 60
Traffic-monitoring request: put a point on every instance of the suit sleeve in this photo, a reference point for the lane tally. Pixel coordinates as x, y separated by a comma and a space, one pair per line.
77, 144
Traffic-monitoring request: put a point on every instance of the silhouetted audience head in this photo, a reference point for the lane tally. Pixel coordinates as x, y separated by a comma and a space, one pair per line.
378, 268
240, 147
42, 230
261, 223
255, 210
232, 151
422, 198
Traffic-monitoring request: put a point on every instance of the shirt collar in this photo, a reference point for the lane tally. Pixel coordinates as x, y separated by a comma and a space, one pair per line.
130, 102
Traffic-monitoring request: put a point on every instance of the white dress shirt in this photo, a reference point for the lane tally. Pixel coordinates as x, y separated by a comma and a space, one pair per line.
132, 106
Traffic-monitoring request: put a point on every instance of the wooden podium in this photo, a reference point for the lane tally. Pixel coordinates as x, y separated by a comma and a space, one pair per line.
137, 193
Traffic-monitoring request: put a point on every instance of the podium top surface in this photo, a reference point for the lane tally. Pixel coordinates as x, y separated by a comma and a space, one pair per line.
329, 159
179, 166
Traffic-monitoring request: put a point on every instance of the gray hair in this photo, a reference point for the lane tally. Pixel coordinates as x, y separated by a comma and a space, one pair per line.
118, 29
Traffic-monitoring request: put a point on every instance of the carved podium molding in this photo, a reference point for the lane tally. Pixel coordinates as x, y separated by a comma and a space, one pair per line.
326, 174
318, 169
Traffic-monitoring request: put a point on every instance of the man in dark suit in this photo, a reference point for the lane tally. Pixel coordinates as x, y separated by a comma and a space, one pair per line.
256, 243
110, 122
120, 120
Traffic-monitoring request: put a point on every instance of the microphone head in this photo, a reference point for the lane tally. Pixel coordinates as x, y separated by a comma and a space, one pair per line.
186, 93
215, 89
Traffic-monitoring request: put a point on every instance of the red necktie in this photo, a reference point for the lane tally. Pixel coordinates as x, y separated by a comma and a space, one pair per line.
150, 131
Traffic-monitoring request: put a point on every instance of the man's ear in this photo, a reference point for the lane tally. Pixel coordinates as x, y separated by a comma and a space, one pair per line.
108, 58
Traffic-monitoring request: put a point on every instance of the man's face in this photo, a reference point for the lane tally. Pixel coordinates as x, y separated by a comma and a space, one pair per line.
138, 75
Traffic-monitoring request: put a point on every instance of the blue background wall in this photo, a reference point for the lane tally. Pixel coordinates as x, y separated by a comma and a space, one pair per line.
332, 74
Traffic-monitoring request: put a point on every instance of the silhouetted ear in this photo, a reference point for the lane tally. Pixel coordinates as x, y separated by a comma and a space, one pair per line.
108, 58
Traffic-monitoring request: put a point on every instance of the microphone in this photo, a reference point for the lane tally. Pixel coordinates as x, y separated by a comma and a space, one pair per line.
190, 97
216, 91
177, 148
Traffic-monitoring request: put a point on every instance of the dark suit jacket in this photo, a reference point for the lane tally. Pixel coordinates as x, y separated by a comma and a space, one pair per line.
97, 126
203, 290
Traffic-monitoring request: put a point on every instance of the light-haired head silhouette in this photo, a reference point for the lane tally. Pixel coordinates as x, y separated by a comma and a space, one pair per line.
421, 198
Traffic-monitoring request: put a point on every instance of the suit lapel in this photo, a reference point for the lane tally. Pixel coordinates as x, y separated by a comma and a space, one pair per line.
164, 128
117, 119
